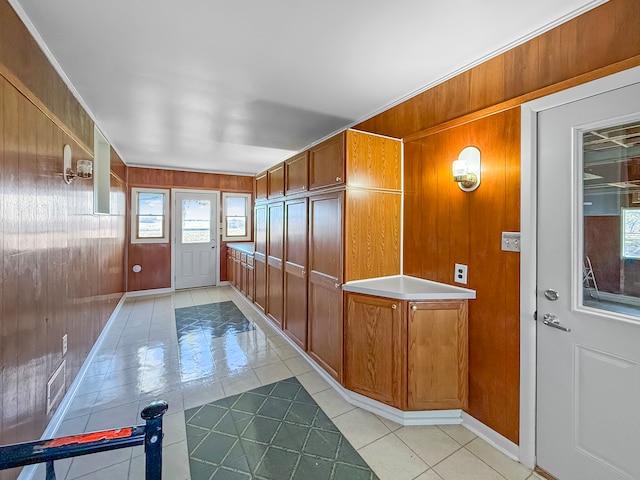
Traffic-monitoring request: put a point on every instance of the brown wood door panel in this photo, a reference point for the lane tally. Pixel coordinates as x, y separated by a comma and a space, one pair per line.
373, 161
296, 174
325, 336
260, 229
275, 179
437, 357
250, 282
325, 234
295, 274
326, 163
262, 189
375, 348
260, 275
275, 254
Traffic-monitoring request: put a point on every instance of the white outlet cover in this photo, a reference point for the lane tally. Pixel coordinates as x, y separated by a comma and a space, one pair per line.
460, 273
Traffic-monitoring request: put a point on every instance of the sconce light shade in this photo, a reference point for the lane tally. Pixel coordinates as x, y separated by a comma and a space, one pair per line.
84, 168
466, 169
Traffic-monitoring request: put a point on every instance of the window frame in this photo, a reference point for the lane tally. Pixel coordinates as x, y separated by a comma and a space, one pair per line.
134, 215
248, 198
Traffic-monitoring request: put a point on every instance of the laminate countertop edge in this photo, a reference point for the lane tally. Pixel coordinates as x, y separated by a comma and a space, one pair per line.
247, 247
405, 287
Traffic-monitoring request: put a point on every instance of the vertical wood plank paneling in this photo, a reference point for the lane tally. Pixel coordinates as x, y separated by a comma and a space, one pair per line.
3, 231
459, 227
452, 97
557, 54
10, 271
412, 210
487, 84
521, 72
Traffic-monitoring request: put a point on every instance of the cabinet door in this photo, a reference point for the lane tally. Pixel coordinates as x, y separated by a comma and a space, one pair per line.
295, 275
375, 348
250, 282
275, 178
325, 336
437, 357
326, 163
260, 256
275, 254
261, 186
296, 174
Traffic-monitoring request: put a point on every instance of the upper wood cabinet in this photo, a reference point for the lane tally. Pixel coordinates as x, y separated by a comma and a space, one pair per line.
326, 163
275, 176
296, 174
373, 161
262, 188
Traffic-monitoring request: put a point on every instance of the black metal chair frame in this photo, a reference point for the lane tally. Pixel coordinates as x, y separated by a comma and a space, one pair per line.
47, 451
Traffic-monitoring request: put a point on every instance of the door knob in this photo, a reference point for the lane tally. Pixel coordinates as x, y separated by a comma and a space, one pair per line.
551, 320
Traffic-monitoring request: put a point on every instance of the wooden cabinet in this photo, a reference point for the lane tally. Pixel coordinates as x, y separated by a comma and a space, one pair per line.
296, 174
325, 282
410, 355
275, 179
437, 355
240, 268
262, 188
260, 256
250, 278
275, 255
375, 348
230, 268
295, 271
326, 163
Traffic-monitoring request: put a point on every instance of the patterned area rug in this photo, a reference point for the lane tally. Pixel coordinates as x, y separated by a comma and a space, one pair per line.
274, 432
212, 320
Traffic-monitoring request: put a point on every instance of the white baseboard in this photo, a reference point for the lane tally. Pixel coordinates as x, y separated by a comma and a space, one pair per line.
492, 437
224, 283
29, 471
422, 417
144, 293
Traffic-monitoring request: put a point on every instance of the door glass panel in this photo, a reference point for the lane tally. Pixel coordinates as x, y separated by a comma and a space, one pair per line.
611, 219
196, 221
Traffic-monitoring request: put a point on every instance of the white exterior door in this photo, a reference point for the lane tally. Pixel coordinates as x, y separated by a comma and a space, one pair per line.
588, 330
196, 239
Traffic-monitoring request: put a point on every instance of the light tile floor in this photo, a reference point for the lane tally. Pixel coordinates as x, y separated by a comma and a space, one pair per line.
140, 360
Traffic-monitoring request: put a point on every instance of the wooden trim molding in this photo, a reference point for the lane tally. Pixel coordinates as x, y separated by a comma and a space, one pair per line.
527, 97
24, 90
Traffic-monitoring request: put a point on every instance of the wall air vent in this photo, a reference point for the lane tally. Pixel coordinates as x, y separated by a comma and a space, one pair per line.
55, 386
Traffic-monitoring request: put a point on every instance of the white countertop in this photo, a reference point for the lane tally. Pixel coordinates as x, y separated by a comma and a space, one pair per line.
404, 287
246, 247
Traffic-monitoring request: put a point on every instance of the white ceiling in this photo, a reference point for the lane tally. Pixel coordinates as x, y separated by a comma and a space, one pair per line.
238, 85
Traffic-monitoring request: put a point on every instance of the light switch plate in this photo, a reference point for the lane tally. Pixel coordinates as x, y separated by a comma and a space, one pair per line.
511, 241
460, 273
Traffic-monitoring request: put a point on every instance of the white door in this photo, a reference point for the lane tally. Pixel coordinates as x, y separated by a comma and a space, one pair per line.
588, 338
196, 239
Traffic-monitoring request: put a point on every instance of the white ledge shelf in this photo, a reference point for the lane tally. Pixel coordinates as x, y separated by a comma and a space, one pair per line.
247, 247
404, 287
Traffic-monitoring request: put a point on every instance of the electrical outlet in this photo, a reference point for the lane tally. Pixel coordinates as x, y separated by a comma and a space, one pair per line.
64, 344
460, 273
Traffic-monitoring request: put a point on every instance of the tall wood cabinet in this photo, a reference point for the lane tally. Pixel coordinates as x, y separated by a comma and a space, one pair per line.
338, 205
295, 270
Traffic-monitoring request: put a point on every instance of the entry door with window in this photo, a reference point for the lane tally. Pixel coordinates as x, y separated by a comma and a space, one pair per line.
588, 292
196, 239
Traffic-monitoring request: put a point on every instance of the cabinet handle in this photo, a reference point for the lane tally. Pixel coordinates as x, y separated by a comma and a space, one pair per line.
414, 308
337, 285
338, 179
394, 306
304, 273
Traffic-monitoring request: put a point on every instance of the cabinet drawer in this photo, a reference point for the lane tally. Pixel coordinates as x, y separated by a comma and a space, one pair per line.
250, 260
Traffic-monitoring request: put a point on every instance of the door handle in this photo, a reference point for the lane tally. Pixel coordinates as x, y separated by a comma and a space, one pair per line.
551, 320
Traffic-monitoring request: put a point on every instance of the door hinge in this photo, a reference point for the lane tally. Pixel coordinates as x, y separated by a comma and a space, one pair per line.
535, 315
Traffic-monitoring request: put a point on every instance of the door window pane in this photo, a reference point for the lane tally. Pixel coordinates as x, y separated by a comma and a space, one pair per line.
196, 221
611, 218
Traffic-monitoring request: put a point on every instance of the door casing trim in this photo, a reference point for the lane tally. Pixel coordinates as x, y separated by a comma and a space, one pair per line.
528, 229
172, 234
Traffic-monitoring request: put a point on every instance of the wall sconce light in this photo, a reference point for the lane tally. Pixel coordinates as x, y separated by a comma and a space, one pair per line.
466, 169
84, 168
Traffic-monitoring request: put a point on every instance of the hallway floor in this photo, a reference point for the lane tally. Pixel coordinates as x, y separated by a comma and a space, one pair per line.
243, 403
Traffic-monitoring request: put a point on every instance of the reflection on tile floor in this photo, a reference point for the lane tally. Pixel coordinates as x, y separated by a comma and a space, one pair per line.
274, 432
140, 360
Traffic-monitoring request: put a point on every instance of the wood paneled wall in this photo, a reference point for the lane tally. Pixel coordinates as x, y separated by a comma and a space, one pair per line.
155, 258
62, 266
444, 226
580, 50
23, 63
